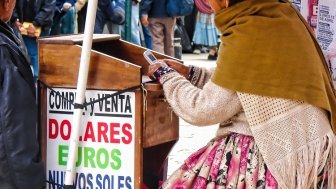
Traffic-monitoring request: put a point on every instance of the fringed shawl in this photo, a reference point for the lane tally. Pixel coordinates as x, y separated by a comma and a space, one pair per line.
267, 49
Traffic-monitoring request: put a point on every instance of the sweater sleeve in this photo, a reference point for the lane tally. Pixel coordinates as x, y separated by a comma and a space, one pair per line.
201, 76
207, 106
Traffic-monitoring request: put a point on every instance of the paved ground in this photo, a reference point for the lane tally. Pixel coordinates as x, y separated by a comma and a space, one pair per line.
191, 137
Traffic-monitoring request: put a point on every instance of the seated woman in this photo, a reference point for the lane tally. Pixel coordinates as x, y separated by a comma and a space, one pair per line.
271, 95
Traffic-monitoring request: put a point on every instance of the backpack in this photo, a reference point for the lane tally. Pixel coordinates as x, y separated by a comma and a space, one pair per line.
179, 7
118, 12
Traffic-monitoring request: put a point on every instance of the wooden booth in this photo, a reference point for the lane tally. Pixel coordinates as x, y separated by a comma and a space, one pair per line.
125, 138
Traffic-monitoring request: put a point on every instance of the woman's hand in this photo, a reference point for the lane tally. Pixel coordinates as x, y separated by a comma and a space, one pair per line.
178, 66
153, 68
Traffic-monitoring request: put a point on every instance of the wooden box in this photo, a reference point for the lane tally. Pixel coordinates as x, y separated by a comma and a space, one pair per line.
136, 138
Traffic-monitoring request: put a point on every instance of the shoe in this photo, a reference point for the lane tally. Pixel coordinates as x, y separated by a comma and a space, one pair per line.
204, 50
197, 51
212, 57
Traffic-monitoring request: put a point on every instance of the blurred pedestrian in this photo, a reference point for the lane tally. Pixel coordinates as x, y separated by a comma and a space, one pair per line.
160, 24
205, 33
20, 165
81, 8
135, 24
135, 31
64, 17
110, 11
38, 15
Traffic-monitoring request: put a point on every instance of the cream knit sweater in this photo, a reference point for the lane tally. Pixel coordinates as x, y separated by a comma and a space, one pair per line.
294, 138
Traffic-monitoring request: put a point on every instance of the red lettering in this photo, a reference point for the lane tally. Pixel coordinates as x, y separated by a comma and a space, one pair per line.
89, 133
114, 132
65, 126
102, 132
53, 128
126, 130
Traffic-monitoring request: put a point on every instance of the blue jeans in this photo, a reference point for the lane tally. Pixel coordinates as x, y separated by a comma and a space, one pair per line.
68, 22
100, 21
31, 44
147, 36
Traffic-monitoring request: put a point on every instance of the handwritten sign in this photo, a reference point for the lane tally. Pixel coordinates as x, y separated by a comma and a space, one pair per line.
106, 149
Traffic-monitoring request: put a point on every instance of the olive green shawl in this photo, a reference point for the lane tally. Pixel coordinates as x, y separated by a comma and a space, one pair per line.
268, 49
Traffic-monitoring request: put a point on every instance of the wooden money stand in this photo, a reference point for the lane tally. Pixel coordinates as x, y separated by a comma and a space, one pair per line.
114, 65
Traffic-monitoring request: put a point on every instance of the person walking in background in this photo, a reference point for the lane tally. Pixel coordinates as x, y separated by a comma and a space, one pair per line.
135, 31
271, 95
135, 24
81, 8
109, 11
20, 165
205, 33
189, 24
39, 18
161, 26
64, 17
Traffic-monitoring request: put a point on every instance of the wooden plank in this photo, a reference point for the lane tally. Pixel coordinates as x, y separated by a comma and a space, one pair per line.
138, 161
43, 121
128, 52
161, 123
77, 39
59, 65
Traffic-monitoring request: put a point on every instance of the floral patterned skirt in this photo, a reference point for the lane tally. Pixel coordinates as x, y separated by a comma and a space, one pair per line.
230, 162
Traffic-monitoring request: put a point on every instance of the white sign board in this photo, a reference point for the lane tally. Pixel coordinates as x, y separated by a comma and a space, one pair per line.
106, 150
326, 28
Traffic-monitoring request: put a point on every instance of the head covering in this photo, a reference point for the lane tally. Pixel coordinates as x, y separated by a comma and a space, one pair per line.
267, 49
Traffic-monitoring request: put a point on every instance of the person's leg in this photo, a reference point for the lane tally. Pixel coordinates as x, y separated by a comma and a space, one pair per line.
169, 27
212, 37
135, 33
115, 28
189, 22
197, 49
212, 53
156, 29
31, 45
68, 22
147, 36
81, 19
100, 22
56, 26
